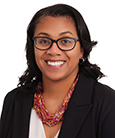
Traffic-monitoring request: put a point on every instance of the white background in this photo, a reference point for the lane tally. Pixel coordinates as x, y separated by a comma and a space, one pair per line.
16, 15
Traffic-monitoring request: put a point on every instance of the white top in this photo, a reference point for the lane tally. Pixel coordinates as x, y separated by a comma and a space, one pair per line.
36, 129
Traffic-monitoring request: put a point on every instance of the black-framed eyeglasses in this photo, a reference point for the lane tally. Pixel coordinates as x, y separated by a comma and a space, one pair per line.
65, 43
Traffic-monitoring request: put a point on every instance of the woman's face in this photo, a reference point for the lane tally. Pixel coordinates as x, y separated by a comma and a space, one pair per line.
54, 63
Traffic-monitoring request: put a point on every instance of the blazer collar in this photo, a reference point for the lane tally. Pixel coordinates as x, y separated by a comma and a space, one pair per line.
78, 108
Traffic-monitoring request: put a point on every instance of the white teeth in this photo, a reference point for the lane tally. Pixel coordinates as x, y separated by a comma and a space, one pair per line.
55, 63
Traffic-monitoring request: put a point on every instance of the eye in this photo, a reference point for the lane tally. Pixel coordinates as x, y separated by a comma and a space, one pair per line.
66, 41
44, 41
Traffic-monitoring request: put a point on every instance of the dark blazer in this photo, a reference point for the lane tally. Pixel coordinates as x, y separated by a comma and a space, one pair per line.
90, 113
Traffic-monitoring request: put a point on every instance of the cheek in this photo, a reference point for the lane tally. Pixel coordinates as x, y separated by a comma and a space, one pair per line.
76, 54
75, 59
38, 56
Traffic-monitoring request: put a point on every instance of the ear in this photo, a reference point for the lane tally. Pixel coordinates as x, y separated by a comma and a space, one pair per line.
82, 53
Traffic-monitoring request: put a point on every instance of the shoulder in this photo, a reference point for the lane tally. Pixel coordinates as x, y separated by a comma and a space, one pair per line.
98, 89
95, 88
103, 100
103, 91
9, 100
12, 94
104, 108
99, 94
8, 105
18, 93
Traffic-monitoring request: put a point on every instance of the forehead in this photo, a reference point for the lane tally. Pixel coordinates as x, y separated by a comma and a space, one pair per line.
55, 25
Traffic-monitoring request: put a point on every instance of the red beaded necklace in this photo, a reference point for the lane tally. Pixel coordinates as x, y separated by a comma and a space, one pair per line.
51, 119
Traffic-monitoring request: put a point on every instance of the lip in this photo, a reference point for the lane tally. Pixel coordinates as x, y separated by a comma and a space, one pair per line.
55, 63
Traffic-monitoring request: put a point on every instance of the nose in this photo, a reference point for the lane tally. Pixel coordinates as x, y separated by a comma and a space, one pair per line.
54, 50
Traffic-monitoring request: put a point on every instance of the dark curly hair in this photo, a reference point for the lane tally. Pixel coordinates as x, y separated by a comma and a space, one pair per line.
33, 75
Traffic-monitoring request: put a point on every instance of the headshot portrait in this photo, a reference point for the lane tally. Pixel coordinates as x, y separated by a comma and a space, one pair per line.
57, 70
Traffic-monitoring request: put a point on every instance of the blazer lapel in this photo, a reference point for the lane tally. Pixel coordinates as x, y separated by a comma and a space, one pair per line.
22, 110
78, 108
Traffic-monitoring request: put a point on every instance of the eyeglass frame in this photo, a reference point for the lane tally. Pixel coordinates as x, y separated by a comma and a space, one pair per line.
55, 41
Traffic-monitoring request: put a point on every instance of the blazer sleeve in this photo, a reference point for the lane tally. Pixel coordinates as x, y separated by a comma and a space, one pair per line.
108, 121
4, 116
7, 113
106, 114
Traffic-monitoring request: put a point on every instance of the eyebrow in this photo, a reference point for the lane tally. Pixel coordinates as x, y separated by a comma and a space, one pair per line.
63, 33
67, 32
43, 33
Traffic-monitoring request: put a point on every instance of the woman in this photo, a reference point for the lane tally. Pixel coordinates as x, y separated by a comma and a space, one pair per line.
59, 95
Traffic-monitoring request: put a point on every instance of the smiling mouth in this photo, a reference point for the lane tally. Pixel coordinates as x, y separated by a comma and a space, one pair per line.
56, 63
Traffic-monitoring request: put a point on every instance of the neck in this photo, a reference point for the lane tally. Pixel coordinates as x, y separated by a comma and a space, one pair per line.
55, 91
